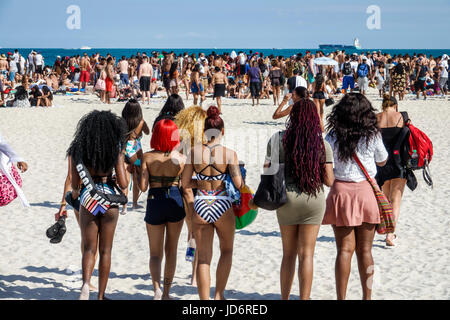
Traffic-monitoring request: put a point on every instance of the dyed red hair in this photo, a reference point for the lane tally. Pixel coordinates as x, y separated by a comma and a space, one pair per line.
166, 136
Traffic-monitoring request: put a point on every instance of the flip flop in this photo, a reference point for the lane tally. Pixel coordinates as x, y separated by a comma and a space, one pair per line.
54, 229
390, 243
59, 236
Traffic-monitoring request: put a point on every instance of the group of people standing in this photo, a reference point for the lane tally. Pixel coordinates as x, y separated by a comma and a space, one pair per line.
185, 173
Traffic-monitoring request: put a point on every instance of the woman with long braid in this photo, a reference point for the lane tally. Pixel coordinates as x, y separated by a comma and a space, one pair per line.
308, 163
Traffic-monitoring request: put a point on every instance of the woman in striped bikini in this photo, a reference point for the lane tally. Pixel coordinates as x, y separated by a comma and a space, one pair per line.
213, 211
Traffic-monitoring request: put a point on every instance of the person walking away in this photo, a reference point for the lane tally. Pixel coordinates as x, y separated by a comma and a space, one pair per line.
275, 76
348, 80
390, 177
398, 81
363, 73
220, 83
308, 163
351, 207
212, 205
319, 96
421, 77
255, 81
98, 146
161, 171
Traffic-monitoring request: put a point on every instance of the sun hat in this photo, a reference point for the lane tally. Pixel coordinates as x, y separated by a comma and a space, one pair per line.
3, 57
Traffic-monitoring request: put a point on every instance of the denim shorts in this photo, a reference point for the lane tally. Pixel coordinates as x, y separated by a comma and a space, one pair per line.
124, 79
164, 205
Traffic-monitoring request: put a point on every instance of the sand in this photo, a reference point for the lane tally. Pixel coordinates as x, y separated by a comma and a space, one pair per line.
32, 268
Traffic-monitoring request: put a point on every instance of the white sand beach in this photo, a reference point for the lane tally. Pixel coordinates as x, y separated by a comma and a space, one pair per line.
32, 268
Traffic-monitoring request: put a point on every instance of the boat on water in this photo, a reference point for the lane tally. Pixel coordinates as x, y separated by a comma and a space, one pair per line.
85, 48
356, 46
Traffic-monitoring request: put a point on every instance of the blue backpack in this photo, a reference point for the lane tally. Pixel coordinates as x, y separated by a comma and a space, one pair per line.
363, 70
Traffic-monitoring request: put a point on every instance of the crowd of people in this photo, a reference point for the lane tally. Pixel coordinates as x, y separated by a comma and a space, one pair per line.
184, 175
186, 172
233, 75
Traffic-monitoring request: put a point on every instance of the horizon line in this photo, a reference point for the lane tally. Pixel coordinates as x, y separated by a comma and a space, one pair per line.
253, 48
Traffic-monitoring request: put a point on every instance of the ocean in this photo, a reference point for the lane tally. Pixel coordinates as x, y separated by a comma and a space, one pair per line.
51, 54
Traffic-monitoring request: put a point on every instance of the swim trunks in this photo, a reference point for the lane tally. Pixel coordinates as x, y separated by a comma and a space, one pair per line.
84, 76
145, 83
109, 84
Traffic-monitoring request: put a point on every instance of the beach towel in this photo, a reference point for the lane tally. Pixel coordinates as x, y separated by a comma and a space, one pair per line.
8, 172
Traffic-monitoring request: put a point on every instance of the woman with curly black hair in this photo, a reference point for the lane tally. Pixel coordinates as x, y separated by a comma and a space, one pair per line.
351, 206
96, 151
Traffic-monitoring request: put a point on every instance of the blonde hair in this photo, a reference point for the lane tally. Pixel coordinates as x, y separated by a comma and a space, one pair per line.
191, 123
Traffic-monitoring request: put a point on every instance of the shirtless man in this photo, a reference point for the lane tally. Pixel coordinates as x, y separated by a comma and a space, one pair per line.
166, 65
109, 79
154, 61
204, 74
85, 68
220, 83
4, 66
145, 78
123, 70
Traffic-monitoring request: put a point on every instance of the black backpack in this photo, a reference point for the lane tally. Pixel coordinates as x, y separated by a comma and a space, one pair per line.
347, 69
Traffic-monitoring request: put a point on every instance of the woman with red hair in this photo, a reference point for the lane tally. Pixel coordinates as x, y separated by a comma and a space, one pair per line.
211, 163
161, 169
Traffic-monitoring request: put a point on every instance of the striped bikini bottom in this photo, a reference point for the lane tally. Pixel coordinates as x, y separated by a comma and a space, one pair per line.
93, 204
211, 205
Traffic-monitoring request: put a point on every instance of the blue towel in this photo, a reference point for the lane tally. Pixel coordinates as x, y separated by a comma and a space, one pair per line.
232, 191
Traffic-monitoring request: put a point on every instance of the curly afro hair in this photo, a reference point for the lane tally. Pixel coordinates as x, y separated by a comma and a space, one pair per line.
99, 138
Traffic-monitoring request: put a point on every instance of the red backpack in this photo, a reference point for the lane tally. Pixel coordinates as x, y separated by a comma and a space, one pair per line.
420, 144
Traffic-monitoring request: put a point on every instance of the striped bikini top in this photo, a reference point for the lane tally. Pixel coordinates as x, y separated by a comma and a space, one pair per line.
201, 177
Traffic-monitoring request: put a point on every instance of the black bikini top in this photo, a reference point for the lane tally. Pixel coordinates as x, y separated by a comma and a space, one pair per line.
201, 177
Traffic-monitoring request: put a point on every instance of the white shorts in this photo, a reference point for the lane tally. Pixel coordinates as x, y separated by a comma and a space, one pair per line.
363, 83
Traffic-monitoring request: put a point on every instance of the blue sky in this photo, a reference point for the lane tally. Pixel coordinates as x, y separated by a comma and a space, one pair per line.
224, 24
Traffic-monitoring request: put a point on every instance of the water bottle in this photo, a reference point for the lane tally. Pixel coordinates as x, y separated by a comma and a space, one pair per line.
414, 162
190, 252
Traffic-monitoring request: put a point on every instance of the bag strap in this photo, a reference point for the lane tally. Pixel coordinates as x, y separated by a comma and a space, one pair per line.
405, 116
369, 179
90, 185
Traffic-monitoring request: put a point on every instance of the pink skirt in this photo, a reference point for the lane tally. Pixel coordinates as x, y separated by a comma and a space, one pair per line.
350, 204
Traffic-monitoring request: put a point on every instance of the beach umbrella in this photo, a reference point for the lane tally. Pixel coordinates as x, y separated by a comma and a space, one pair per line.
324, 61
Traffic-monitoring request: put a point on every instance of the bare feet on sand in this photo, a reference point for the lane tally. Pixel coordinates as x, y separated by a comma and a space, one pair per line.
85, 289
158, 295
